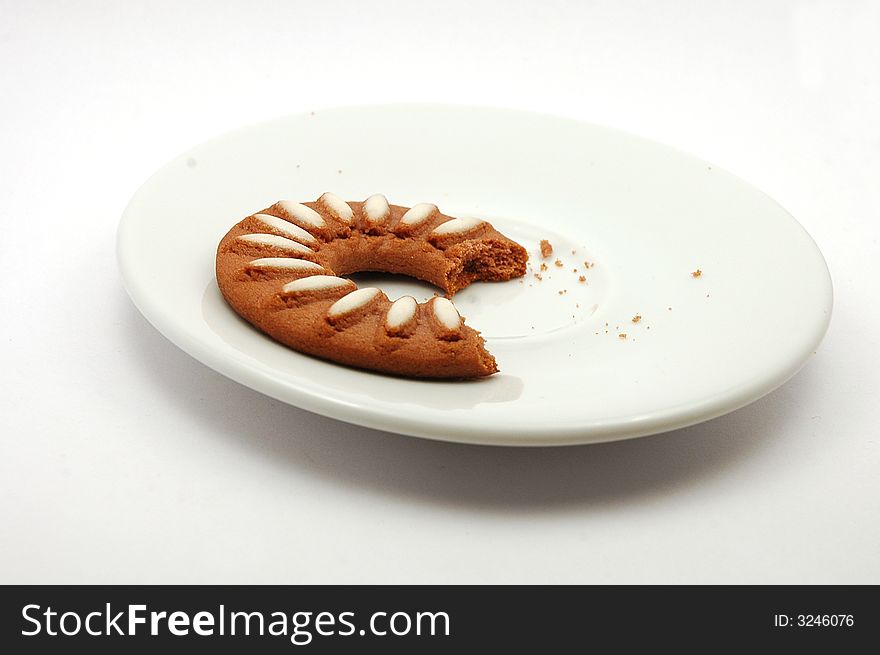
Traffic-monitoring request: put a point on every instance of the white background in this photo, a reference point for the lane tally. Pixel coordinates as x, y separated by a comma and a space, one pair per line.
123, 460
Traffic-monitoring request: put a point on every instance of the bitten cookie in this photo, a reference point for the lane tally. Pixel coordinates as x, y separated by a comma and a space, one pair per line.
280, 270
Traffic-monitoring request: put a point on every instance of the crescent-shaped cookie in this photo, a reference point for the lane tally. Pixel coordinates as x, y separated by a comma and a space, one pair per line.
282, 270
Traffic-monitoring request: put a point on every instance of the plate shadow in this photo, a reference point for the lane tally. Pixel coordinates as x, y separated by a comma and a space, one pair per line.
475, 478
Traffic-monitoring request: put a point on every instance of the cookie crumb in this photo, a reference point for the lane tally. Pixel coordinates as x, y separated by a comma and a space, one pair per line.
573, 251
636, 318
538, 276
558, 263
622, 335
543, 266
546, 248
697, 273
582, 279
669, 309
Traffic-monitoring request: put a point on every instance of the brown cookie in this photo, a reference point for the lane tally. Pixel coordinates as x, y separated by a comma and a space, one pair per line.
279, 269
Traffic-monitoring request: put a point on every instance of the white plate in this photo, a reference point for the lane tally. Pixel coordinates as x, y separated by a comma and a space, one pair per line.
646, 215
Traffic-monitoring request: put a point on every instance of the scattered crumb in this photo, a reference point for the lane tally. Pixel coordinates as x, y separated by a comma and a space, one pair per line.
589, 264
538, 276
669, 308
573, 251
311, 113
582, 279
578, 305
636, 318
546, 248
574, 270
648, 328
297, 165
622, 335
558, 263
339, 171
697, 273
543, 266
707, 295
560, 293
